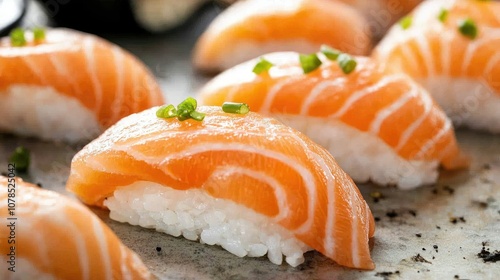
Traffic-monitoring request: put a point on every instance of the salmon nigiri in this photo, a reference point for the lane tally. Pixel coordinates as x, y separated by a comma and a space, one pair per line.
379, 126
228, 174
49, 236
453, 49
67, 85
381, 14
251, 28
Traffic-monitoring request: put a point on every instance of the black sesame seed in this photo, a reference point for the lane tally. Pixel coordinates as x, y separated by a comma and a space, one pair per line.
391, 214
435, 246
418, 235
377, 219
39, 185
158, 249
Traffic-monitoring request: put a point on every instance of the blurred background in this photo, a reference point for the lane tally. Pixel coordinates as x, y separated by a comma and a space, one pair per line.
161, 33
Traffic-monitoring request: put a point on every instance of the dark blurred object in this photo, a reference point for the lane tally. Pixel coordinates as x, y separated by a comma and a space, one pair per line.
94, 16
11, 13
105, 16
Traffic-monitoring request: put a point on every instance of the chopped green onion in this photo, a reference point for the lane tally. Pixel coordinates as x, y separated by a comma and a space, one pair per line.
17, 38
262, 66
167, 111
235, 108
185, 110
329, 52
309, 62
197, 115
443, 15
21, 159
347, 63
468, 28
39, 34
406, 22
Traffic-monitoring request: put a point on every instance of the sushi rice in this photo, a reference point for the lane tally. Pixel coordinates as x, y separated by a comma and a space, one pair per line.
198, 216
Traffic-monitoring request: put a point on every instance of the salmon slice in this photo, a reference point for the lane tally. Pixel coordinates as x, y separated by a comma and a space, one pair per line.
251, 28
251, 165
54, 237
73, 84
459, 68
382, 14
364, 118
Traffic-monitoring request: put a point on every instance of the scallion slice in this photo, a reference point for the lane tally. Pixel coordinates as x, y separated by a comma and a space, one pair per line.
197, 115
235, 108
347, 63
167, 111
330, 53
262, 66
20, 158
38, 34
309, 62
17, 38
468, 28
406, 22
443, 15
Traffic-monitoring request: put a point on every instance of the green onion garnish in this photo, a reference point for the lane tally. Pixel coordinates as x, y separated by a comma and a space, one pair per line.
330, 53
309, 62
347, 63
262, 66
185, 110
167, 111
21, 159
405, 22
17, 38
468, 28
235, 108
443, 15
197, 116
38, 34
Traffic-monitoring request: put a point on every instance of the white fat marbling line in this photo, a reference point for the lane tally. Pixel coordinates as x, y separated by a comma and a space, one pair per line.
103, 247
316, 91
126, 274
358, 95
492, 64
432, 142
474, 45
425, 51
88, 49
120, 80
306, 175
63, 71
405, 137
279, 193
355, 250
78, 239
389, 110
35, 68
446, 54
268, 101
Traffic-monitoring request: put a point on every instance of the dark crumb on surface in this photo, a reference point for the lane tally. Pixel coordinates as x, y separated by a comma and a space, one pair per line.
391, 214
433, 257
39, 185
457, 277
487, 256
486, 166
413, 213
435, 246
480, 204
377, 219
158, 249
377, 196
423, 249
485, 243
438, 227
449, 189
418, 235
455, 220
419, 258
386, 274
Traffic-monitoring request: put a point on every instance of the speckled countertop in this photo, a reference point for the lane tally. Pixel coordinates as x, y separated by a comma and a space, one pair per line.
434, 232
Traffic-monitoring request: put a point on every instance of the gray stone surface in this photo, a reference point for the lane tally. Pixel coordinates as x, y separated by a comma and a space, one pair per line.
473, 195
